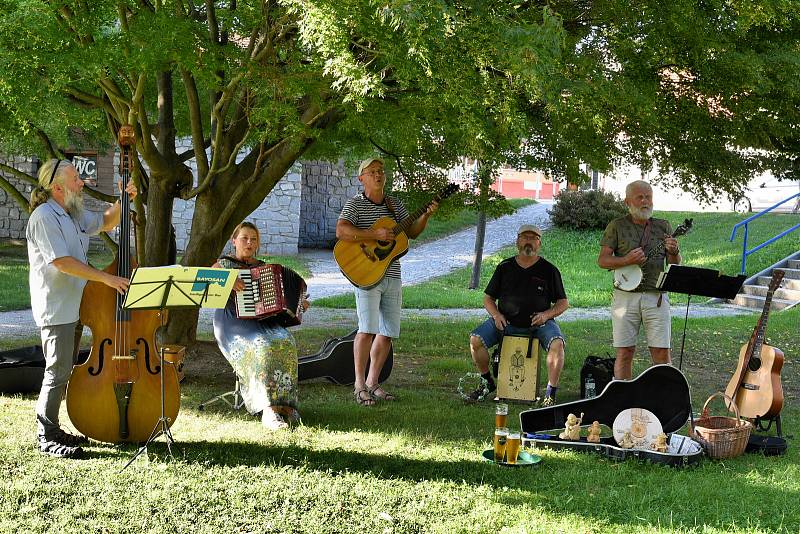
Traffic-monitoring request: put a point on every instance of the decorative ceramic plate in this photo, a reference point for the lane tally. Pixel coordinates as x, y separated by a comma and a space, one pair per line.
636, 428
524, 459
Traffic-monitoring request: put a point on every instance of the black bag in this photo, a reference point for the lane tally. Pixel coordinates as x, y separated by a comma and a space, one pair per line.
595, 374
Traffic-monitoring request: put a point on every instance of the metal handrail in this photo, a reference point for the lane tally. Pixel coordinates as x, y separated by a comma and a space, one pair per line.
745, 252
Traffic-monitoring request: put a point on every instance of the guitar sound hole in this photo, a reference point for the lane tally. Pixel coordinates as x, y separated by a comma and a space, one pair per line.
754, 364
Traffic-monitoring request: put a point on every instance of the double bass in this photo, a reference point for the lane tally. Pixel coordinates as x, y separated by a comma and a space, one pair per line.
115, 396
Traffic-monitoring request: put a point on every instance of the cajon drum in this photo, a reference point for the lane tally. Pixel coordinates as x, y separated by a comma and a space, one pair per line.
518, 371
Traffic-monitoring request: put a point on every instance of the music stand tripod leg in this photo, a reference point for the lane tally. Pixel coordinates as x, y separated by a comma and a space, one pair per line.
161, 426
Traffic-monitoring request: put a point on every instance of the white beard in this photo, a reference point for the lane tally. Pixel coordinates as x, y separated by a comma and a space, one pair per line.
640, 213
73, 202
527, 250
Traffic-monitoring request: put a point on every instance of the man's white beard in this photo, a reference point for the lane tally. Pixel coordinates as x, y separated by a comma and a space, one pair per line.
73, 203
527, 250
640, 213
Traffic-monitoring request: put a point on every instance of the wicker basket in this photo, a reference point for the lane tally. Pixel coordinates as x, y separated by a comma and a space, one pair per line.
723, 437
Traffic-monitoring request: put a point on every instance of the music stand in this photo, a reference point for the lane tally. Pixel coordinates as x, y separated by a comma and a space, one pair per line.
698, 281
174, 287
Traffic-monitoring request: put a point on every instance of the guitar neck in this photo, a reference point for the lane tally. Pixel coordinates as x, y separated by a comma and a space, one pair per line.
406, 223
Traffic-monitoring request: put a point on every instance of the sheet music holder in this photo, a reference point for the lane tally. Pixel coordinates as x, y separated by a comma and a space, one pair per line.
169, 288
698, 281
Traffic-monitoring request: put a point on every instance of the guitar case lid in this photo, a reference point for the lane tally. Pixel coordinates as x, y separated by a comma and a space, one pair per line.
662, 389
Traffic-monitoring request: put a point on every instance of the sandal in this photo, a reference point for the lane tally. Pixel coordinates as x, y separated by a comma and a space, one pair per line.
59, 450
379, 393
364, 397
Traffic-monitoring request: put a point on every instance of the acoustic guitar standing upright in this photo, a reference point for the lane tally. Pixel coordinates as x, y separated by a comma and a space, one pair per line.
756, 384
365, 262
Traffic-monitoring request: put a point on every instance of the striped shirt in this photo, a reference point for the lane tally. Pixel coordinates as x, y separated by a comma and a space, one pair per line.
362, 213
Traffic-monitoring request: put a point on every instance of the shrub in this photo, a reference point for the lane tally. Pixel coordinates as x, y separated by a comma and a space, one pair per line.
586, 209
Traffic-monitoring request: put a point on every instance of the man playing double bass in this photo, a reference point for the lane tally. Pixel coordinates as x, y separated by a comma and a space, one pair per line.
58, 233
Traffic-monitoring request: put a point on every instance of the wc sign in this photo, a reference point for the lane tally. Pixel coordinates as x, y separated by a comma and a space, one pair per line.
86, 167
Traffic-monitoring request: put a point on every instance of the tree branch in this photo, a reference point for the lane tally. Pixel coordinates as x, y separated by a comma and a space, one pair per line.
196, 120
12, 191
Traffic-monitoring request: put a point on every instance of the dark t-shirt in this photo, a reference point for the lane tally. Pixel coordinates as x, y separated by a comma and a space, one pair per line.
623, 235
523, 292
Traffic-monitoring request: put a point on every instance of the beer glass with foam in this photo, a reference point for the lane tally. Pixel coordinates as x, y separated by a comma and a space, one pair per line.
512, 447
500, 415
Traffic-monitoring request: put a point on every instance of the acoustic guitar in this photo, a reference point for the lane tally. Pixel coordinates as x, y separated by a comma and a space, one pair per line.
629, 277
756, 384
365, 262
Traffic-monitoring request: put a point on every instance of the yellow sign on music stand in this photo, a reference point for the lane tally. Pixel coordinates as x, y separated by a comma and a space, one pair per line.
192, 287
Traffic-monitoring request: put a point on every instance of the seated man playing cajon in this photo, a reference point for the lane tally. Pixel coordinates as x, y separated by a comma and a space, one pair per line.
524, 295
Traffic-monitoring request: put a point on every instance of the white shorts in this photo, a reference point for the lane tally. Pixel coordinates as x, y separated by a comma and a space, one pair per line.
379, 308
629, 310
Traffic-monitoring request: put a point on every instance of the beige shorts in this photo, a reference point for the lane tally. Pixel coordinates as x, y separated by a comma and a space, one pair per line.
629, 310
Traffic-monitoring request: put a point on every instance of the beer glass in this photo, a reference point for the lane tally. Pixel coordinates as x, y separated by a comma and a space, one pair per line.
500, 437
500, 415
512, 447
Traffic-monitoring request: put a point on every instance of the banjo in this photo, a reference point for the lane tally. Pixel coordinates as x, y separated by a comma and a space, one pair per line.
629, 277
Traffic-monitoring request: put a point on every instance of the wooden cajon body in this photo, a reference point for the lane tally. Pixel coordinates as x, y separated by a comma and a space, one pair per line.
518, 371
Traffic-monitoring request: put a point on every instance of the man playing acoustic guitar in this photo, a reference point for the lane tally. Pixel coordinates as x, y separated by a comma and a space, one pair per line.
632, 240
378, 307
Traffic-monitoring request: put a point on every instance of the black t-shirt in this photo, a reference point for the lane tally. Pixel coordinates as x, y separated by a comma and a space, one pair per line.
523, 292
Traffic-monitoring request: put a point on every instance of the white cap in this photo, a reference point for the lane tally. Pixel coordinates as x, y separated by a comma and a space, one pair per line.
366, 163
529, 228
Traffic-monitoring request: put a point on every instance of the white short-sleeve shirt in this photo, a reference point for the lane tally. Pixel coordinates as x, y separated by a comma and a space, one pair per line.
52, 233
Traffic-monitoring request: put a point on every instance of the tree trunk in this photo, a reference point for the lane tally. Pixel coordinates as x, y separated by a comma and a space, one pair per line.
202, 249
159, 222
480, 235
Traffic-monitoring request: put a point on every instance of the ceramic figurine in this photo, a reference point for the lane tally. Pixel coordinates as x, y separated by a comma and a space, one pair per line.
572, 430
627, 441
661, 443
594, 433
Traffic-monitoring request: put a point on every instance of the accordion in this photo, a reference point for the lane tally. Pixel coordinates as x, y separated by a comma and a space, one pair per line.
271, 291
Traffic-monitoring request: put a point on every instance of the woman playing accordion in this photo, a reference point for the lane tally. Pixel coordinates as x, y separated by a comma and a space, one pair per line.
262, 352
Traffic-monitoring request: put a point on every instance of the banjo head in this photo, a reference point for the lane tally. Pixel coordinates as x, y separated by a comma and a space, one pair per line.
627, 278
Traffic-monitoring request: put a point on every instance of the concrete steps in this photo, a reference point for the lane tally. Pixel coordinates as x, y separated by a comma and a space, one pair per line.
755, 289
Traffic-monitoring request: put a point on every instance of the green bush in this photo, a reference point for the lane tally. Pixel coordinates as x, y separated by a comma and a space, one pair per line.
586, 209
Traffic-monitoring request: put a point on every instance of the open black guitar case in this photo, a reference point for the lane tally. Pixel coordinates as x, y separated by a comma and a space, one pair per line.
334, 361
661, 389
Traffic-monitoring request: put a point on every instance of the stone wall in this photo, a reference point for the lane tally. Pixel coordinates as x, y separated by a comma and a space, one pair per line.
326, 187
14, 218
277, 219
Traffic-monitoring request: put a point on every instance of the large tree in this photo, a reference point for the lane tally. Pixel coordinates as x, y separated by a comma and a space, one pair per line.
255, 85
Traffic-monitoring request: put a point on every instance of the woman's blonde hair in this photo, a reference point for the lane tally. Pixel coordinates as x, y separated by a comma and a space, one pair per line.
246, 224
49, 173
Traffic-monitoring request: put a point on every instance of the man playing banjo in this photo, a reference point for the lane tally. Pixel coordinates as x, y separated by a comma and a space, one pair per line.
635, 239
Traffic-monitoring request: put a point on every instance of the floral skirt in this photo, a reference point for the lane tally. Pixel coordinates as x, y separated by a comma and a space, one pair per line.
263, 355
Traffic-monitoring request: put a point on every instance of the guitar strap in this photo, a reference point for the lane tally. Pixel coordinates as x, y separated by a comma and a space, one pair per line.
390, 207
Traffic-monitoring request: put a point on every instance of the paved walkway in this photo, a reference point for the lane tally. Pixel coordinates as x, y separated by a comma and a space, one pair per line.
422, 263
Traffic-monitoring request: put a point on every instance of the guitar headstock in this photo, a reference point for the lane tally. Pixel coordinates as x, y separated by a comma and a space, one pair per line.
777, 277
447, 191
683, 228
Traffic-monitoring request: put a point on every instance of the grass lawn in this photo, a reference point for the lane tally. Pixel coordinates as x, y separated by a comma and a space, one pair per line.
409, 466
575, 254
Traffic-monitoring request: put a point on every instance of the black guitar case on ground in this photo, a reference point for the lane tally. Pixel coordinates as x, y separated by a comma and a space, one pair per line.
334, 362
661, 389
22, 370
